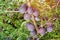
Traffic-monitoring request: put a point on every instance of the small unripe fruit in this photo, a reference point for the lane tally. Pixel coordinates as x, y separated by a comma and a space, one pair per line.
27, 17
49, 29
37, 18
49, 24
33, 33
23, 8
30, 26
42, 31
36, 13
30, 10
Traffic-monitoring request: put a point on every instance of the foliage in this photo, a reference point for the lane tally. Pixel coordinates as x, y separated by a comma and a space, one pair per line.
12, 24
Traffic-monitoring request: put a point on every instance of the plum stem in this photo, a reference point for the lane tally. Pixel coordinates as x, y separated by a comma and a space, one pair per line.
57, 5
29, 4
34, 22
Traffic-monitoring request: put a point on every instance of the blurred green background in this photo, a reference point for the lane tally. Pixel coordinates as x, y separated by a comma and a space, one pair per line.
12, 24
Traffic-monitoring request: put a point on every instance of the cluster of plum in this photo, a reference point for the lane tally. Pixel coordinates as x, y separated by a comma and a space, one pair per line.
28, 11
41, 30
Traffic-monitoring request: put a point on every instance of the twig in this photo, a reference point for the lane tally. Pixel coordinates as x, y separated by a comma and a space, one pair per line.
57, 5
34, 22
29, 4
